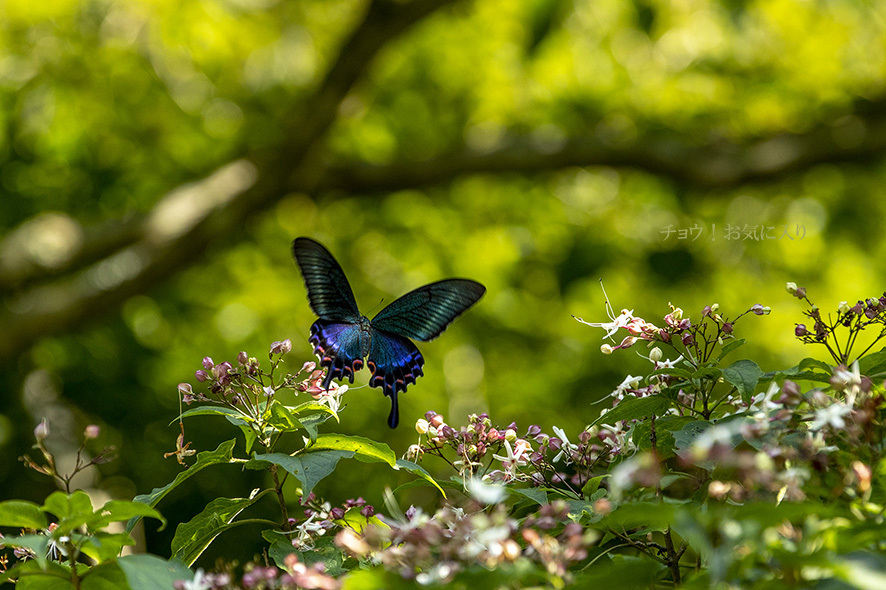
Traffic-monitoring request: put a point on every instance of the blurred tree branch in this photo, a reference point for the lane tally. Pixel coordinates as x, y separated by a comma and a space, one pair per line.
115, 262
715, 165
177, 233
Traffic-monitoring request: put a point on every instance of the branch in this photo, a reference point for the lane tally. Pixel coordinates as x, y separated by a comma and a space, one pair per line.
717, 165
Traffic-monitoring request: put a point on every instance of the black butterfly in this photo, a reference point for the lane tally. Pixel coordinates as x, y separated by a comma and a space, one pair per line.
343, 337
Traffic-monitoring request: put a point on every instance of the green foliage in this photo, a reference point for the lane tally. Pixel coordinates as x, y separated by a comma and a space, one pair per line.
701, 475
77, 531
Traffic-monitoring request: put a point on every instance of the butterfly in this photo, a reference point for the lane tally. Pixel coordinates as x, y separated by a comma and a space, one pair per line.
343, 337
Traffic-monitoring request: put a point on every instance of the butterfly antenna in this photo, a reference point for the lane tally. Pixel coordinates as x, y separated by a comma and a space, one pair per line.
377, 305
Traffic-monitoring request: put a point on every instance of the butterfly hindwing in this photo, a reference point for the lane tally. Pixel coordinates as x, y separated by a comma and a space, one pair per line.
424, 313
395, 362
339, 348
329, 292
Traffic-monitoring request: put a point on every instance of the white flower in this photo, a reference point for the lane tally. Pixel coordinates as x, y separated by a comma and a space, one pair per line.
623, 319
486, 493
630, 382
831, 415
515, 458
566, 447
332, 397
304, 530
200, 582
670, 364
848, 380
765, 399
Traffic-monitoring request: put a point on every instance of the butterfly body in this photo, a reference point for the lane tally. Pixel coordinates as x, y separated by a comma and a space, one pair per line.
343, 337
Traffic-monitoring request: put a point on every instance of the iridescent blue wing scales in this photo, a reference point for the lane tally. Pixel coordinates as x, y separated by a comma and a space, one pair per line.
339, 348
395, 362
424, 313
329, 292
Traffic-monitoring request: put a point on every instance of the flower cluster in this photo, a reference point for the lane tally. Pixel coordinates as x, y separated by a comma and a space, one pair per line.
432, 549
81, 462
698, 339
321, 516
852, 318
498, 454
249, 391
295, 575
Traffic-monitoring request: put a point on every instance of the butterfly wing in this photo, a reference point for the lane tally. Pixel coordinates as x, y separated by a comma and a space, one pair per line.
395, 362
339, 348
329, 292
424, 313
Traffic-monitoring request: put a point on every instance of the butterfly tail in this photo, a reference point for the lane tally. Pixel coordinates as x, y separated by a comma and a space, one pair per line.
394, 416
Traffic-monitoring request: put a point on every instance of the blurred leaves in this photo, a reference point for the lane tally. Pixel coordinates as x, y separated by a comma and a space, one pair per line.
157, 158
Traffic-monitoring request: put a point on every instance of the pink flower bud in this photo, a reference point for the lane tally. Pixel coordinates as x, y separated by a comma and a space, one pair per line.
41, 431
92, 431
207, 363
278, 347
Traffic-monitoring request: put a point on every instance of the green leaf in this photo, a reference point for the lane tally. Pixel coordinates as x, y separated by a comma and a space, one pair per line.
640, 515
593, 485
324, 551
537, 495
313, 408
22, 514
64, 506
744, 375
230, 413
634, 408
312, 423
193, 537
874, 364
364, 449
282, 418
707, 372
73, 510
149, 572
106, 576
221, 455
621, 571
684, 437
32, 576
420, 471
308, 468
729, 347
578, 508
809, 363
104, 547
120, 510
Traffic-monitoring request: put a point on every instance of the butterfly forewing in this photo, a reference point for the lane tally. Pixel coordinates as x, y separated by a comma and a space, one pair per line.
329, 293
424, 313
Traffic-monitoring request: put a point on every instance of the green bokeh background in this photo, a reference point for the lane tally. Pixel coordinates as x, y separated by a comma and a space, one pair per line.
628, 117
